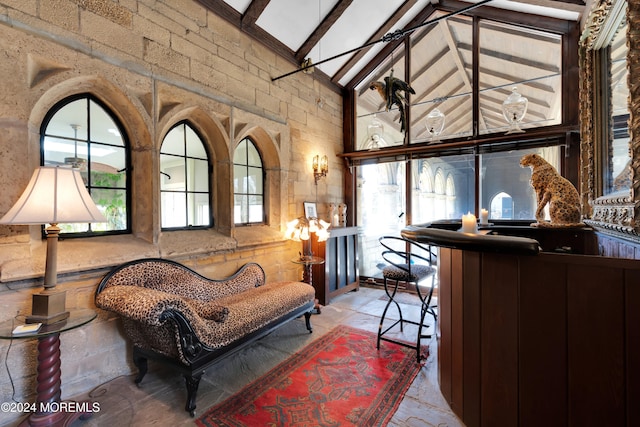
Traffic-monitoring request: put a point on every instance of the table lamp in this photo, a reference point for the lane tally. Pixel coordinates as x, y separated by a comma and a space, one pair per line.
54, 195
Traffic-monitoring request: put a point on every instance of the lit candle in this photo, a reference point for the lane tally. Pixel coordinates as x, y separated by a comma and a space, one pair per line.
484, 216
469, 223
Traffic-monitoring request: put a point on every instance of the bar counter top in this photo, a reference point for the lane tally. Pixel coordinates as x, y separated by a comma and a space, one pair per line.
505, 236
482, 241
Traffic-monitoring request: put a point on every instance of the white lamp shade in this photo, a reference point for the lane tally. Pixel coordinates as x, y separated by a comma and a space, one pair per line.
54, 195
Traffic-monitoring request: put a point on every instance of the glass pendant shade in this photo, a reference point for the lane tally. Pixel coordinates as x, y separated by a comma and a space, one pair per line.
514, 108
375, 131
435, 123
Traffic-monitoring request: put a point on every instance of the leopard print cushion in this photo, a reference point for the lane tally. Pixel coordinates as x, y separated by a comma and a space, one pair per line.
146, 305
161, 339
418, 272
209, 310
182, 281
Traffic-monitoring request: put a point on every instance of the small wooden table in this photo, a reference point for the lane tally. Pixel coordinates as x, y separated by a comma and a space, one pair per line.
308, 261
49, 410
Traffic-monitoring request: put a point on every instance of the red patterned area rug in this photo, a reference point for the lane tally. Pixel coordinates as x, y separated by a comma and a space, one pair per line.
340, 379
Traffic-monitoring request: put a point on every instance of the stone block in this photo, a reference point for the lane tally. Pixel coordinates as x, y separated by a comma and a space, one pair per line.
158, 18
29, 7
151, 30
225, 33
203, 39
168, 59
132, 5
208, 76
233, 57
21, 360
177, 13
190, 12
260, 55
103, 31
61, 12
298, 114
240, 90
109, 10
222, 65
189, 49
267, 102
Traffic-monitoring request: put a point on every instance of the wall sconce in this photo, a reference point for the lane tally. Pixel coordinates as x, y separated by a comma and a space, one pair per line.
320, 167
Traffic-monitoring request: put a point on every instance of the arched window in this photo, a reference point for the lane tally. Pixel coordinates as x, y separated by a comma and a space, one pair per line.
248, 184
440, 183
426, 178
184, 181
501, 206
82, 133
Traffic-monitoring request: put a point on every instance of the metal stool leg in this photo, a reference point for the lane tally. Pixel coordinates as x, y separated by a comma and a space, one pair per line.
391, 296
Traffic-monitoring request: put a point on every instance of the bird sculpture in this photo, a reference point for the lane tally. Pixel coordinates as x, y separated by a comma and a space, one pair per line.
391, 91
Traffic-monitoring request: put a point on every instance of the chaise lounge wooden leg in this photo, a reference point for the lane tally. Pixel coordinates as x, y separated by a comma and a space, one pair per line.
193, 381
141, 363
307, 320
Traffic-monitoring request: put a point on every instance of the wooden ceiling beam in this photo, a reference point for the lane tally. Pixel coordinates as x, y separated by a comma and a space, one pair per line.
390, 47
384, 29
322, 29
253, 12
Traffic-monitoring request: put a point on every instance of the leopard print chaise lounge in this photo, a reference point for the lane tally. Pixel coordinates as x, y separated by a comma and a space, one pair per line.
173, 314
554, 189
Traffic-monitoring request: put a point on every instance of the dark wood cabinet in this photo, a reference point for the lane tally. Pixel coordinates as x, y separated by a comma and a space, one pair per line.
550, 339
529, 338
339, 273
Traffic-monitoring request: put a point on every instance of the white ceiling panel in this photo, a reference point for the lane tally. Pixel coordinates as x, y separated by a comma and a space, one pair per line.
293, 21
354, 28
402, 23
239, 5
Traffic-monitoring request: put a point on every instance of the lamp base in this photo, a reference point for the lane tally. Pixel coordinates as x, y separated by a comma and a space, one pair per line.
48, 307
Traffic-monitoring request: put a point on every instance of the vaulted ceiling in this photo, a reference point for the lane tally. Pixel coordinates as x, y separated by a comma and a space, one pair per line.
321, 29
343, 37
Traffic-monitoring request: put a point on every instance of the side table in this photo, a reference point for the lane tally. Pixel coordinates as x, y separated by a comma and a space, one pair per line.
48, 408
308, 261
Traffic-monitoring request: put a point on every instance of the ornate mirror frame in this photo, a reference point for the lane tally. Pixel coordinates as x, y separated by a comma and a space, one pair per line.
617, 213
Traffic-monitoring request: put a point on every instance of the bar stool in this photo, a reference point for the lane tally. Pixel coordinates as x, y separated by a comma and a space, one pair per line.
411, 263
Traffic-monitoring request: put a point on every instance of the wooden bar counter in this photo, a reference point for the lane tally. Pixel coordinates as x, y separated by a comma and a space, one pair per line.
534, 338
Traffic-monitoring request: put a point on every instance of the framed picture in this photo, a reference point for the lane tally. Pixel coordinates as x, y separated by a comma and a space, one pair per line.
310, 210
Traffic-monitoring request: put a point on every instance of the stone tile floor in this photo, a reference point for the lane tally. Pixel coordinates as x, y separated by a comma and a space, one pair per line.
161, 398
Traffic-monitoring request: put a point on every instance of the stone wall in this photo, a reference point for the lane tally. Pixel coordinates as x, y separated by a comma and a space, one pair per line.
153, 63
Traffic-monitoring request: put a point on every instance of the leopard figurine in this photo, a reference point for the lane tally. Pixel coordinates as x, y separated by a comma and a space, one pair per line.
557, 191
